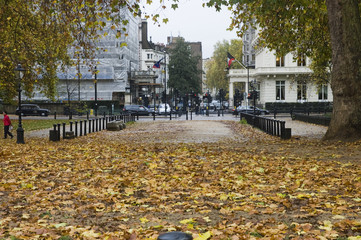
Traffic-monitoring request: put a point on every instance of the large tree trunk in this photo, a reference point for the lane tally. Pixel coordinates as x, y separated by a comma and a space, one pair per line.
345, 30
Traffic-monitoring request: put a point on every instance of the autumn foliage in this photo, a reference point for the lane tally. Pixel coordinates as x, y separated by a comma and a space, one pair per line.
140, 182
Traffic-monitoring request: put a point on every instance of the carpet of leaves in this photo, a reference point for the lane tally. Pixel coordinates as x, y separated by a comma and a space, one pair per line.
137, 184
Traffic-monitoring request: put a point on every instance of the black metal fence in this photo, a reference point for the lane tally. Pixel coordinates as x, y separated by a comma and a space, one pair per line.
269, 125
84, 127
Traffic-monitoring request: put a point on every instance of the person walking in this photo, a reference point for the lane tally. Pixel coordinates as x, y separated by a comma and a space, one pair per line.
7, 124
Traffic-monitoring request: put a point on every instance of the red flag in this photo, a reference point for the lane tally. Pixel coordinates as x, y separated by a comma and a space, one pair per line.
230, 59
157, 64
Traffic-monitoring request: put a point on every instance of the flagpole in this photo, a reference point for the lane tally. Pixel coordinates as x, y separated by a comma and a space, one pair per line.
240, 64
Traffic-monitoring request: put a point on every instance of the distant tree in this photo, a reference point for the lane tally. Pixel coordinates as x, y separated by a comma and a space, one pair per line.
216, 67
183, 69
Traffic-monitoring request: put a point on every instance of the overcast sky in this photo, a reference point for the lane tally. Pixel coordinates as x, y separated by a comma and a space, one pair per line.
193, 22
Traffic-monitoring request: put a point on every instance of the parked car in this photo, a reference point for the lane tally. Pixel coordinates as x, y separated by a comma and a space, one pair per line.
136, 110
164, 109
32, 110
250, 110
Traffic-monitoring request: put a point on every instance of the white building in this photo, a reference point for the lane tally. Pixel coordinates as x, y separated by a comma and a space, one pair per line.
277, 78
150, 54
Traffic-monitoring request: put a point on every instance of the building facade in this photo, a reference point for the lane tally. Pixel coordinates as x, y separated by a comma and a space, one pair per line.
276, 78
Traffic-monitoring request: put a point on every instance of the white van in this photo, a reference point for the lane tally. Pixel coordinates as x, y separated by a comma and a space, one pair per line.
163, 109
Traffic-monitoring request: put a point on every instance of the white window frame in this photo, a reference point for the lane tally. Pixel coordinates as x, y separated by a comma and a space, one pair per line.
280, 90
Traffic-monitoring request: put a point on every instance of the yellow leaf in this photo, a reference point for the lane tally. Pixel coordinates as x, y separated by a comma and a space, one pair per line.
207, 219
223, 197
187, 221
204, 236
327, 225
90, 234
144, 220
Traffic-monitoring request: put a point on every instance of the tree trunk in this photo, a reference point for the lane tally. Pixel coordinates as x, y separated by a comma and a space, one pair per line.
345, 31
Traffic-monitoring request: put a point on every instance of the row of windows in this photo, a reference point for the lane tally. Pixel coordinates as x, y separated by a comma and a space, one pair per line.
301, 91
301, 60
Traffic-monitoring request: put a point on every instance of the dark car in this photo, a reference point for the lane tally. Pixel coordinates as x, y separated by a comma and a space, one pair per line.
136, 110
250, 110
32, 110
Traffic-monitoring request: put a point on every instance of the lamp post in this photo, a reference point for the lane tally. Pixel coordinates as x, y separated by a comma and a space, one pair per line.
96, 92
165, 81
248, 89
20, 131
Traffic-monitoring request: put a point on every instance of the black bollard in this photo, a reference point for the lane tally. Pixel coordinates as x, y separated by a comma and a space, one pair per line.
175, 236
85, 127
76, 128
81, 128
90, 126
64, 124
153, 116
58, 131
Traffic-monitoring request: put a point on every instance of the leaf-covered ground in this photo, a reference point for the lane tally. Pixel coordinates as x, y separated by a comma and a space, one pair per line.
142, 181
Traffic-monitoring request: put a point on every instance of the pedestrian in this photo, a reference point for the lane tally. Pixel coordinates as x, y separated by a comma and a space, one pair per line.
7, 125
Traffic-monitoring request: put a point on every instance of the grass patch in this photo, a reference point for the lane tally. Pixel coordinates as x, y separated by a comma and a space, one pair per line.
35, 124
243, 121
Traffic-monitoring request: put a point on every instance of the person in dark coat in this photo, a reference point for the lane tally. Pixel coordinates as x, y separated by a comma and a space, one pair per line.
7, 124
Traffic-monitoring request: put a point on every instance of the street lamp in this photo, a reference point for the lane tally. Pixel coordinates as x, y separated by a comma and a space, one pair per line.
96, 92
165, 81
20, 131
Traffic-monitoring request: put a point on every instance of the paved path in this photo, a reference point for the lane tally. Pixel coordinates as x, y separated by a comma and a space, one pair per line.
299, 128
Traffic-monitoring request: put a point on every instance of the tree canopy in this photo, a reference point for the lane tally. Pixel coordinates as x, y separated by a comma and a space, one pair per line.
327, 31
183, 69
216, 74
287, 26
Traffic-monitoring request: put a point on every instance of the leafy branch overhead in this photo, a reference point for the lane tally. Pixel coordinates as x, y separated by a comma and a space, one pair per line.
38, 34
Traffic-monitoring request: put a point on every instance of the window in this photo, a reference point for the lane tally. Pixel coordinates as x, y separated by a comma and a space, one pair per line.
301, 91
280, 61
301, 60
280, 90
148, 56
323, 92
